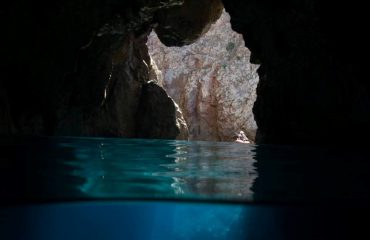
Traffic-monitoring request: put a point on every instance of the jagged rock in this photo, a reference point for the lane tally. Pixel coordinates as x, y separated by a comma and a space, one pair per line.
154, 73
105, 90
212, 81
181, 124
156, 115
100, 93
110, 93
313, 79
242, 138
156, 76
184, 24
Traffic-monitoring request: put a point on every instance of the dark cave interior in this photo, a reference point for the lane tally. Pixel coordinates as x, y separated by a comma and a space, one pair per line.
80, 68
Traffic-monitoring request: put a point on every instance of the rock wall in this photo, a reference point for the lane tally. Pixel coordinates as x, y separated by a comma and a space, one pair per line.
212, 81
109, 94
82, 68
313, 87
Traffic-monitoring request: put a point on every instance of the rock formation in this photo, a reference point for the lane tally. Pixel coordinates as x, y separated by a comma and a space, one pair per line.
212, 81
313, 86
313, 80
156, 117
85, 68
112, 96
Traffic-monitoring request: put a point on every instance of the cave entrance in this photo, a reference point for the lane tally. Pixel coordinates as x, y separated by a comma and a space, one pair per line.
211, 80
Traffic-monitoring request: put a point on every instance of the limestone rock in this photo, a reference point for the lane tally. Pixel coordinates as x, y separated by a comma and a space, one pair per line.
184, 24
79, 68
313, 80
181, 123
154, 73
212, 81
110, 94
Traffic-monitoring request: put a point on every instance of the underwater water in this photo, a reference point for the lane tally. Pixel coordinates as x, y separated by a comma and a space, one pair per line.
103, 188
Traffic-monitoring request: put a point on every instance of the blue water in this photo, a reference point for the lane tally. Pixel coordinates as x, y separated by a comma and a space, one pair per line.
100, 188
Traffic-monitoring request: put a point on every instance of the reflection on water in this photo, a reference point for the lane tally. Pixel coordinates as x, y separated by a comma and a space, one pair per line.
267, 192
122, 168
163, 169
97, 168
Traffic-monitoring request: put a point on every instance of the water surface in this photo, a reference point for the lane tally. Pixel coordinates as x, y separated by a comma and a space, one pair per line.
82, 168
101, 188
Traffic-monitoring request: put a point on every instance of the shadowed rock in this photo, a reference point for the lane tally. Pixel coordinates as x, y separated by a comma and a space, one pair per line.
313, 83
77, 68
155, 118
184, 24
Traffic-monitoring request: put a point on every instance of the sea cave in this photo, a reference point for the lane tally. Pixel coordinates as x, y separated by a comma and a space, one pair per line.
81, 68
122, 119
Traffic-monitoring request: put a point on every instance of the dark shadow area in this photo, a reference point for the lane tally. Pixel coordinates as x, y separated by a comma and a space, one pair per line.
322, 222
35, 170
156, 189
307, 174
310, 193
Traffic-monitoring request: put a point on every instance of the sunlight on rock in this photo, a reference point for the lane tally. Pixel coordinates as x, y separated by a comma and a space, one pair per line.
211, 80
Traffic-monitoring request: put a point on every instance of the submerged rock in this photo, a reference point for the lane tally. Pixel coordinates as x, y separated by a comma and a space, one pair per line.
212, 81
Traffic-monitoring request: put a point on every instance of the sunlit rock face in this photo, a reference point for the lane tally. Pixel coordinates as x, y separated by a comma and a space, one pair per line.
81, 68
113, 96
313, 84
212, 81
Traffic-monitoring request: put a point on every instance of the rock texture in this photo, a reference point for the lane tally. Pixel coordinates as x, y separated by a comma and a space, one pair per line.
184, 24
156, 118
82, 67
313, 85
105, 90
112, 96
212, 81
